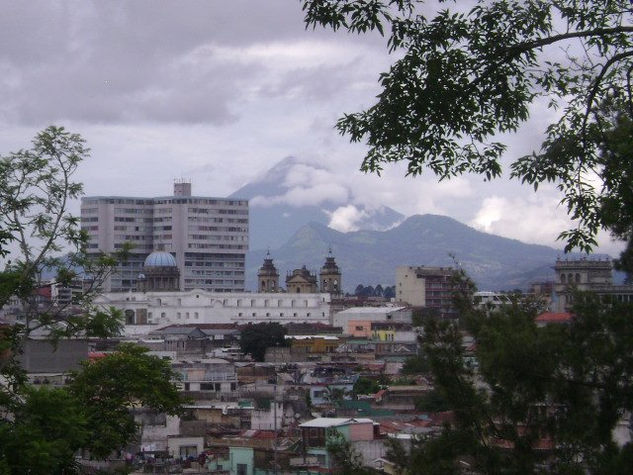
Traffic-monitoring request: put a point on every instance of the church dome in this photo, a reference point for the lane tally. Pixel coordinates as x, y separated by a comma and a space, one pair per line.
160, 259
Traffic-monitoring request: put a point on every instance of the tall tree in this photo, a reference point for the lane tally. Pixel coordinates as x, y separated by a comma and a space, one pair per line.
108, 388
344, 458
36, 188
537, 398
40, 430
91, 413
378, 291
255, 338
461, 78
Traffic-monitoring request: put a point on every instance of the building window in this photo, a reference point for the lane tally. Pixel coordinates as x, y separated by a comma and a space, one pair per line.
188, 451
129, 317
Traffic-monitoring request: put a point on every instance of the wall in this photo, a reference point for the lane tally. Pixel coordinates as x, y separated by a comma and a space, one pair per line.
175, 443
372, 314
241, 455
363, 431
409, 288
370, 450
264, 419
359, 328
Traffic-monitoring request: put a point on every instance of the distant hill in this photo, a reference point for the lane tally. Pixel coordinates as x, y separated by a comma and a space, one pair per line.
371, 257
293, 193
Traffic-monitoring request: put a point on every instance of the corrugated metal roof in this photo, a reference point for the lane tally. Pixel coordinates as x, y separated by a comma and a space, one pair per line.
335, 421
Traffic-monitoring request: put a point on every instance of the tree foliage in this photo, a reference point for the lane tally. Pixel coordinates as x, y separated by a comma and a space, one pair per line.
462, 78
36, 187
418, 364
365, 385
255, 338
91, 413
378, 291
42, 429
344, 458
108, 388
532, 398
48, 429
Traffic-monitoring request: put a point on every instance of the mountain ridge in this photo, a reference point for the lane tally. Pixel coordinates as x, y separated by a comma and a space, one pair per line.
371, 257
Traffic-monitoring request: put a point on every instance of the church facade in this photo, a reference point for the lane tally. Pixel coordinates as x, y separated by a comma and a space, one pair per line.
301, 280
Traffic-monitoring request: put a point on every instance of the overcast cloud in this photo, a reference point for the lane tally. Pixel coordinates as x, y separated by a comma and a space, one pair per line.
218, 92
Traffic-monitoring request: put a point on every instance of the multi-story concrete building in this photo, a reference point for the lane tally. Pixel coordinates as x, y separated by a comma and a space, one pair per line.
429, 287
593, 275
208, 237
350, 318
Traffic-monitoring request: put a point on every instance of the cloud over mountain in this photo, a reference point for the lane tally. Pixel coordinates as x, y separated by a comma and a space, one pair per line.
293, 193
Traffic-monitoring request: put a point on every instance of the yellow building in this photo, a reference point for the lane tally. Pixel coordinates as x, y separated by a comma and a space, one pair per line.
314, 344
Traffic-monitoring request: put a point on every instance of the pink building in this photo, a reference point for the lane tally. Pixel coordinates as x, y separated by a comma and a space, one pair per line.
359, 328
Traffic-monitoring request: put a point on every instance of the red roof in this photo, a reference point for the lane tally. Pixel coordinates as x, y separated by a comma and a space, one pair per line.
258, 434
552, 317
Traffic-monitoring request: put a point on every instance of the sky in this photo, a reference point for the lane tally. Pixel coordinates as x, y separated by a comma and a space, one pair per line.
217, 92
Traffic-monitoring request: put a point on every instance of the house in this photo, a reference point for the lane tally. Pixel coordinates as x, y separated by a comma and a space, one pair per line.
180, 446
313, 344
362, 433
211, 377
403, 398
383, 313
155, 428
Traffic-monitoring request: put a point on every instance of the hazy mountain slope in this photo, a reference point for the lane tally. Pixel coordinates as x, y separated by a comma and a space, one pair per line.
293, 193
371, 257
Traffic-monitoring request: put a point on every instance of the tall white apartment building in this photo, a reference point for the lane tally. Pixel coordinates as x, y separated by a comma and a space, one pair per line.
208, 237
